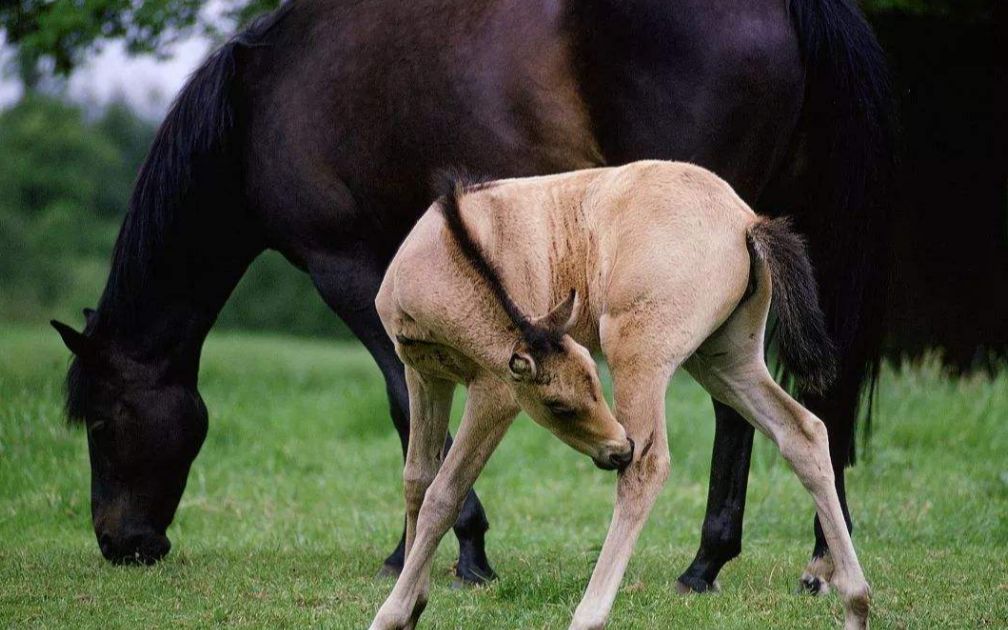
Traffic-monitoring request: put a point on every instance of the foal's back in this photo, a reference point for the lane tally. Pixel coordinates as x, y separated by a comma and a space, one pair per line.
668, 233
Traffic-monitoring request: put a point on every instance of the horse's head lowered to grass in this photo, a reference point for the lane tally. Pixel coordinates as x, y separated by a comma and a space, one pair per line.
145, 426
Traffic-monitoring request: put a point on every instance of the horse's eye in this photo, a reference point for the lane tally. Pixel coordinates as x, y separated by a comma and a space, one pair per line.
561, 411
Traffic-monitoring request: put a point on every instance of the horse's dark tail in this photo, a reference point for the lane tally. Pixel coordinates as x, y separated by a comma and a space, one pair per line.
806, 350
196, 137
847, 136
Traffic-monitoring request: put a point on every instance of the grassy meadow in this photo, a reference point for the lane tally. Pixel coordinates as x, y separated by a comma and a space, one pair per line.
296, 499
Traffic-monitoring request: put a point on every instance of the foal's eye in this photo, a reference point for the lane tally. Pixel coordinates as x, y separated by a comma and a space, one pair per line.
561, 411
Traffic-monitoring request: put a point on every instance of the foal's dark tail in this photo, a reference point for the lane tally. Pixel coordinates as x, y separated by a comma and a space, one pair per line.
806, 349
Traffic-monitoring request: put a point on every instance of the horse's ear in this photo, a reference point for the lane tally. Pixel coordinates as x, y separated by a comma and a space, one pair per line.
563, 316
522, 365
88, 314
77, 342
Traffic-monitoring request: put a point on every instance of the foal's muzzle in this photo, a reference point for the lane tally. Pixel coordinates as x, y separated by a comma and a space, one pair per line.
616, 461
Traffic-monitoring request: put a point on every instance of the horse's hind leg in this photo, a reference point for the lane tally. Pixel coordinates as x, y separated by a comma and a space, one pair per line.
744, 383
349, 284
721, 535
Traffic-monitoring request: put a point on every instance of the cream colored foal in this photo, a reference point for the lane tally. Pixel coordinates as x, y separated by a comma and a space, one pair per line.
655, 264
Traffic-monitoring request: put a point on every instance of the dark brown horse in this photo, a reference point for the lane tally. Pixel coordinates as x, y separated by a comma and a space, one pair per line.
315, 131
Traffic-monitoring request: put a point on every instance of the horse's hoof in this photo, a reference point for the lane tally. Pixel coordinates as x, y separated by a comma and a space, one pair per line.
473, 569
387, 571
469, 575
690, 586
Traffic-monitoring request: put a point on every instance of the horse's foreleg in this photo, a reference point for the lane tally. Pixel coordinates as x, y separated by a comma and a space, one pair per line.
721, 536
489, 412
640, 408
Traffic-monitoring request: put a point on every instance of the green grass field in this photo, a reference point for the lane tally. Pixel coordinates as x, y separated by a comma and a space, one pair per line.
296, 499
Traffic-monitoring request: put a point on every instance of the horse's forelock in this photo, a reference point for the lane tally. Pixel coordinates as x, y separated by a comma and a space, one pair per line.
77, 387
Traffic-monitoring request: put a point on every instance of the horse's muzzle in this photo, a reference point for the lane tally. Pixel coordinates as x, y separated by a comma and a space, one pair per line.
135, 548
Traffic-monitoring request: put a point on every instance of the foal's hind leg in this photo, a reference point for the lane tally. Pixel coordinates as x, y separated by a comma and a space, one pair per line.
747, 386
841, 401
349, 283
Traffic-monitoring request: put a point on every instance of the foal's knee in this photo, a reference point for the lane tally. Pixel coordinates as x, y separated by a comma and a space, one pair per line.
645, 474
415, 484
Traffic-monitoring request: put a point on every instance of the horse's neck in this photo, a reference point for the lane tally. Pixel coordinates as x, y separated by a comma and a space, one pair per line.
164, 310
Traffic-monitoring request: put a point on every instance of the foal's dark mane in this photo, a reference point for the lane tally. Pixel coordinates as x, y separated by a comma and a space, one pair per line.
453, 185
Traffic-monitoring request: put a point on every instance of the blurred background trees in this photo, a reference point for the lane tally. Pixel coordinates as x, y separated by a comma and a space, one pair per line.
66, 172
66, 168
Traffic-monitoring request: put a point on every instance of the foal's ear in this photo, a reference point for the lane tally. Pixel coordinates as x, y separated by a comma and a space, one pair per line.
563, 316
77, 342
522, 365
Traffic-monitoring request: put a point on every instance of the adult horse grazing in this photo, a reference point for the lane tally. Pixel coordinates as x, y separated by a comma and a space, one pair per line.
662, 266
315, 131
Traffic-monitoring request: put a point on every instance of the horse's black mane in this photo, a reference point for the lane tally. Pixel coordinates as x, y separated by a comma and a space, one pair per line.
195, 133
452, 185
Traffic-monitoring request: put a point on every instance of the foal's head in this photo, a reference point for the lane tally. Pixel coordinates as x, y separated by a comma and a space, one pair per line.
556, 382
553, 377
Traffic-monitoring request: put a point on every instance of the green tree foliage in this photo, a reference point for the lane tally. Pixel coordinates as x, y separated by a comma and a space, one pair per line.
64, 31
58, 35
54, 158
64, 184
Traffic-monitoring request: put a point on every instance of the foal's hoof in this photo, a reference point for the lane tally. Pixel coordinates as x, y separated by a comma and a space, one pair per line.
689, 586
812, 585
816, 577
387, 571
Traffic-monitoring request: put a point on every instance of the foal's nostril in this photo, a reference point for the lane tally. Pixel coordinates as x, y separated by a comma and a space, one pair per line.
621, 461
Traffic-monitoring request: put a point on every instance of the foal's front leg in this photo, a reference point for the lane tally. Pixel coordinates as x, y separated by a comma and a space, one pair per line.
640, 408
430, 410
489, 411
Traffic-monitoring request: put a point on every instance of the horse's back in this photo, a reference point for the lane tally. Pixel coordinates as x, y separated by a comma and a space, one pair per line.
351, 105
715, 82
376, 95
